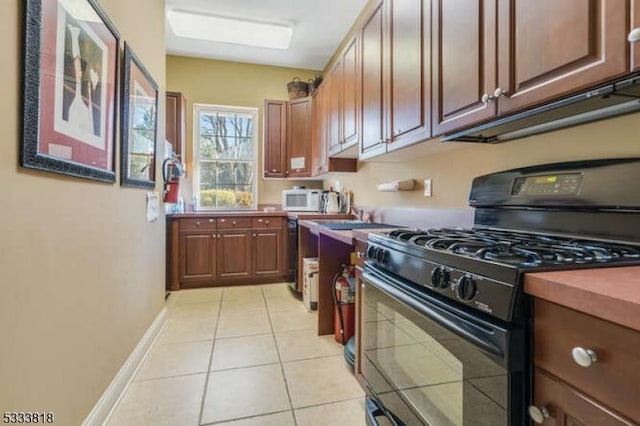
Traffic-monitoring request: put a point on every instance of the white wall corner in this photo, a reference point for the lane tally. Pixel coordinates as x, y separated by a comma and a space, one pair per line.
118, 386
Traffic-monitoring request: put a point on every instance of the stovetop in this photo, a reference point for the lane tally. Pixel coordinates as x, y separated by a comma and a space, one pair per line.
524, 250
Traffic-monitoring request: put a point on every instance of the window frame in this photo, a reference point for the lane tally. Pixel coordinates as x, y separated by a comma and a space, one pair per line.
198, 109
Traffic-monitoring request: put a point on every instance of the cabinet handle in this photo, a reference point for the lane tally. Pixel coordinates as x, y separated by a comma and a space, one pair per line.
584, 357
222, 220
259, 220
538, 415
197, 223
499, 92
486, 98
218, 235
273, 170
213, 236
634, 35
254, 235
211, 220
233, 223
266, 221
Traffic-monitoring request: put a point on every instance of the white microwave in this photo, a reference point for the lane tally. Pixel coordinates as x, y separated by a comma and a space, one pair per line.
302, 200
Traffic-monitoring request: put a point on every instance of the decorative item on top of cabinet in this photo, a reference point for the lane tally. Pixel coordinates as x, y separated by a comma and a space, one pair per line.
395, 77
175, 119
587, 369
524, 54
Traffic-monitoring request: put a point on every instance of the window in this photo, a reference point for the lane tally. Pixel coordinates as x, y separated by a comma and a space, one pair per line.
225, 157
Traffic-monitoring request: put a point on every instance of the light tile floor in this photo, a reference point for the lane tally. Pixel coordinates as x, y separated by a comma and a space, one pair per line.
245, 356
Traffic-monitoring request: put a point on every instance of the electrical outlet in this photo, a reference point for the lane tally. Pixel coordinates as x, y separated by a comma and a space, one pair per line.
427, 187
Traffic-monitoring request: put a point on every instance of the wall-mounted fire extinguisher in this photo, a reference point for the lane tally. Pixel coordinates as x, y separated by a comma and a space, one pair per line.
172, 171
344, 295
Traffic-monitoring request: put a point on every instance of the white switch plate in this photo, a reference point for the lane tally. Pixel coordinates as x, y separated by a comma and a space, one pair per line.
427, 187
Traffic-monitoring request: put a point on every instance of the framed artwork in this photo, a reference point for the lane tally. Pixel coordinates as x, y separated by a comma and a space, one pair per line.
139, 123
71, 51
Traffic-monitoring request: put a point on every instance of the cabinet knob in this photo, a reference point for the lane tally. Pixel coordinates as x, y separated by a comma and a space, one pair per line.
486, 98
211, 220
233, 222
266, 221
273, 170
499, 92
634, 35
538, 414
584, 357
197, 223
254, 235
213, 236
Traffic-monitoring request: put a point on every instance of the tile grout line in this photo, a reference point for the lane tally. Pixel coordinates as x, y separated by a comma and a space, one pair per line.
208, 373
284, 377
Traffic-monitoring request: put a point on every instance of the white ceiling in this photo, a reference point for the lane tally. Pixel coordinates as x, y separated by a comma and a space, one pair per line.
318, 28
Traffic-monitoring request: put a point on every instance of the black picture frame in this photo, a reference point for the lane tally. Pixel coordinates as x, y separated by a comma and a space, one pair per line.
139, 124
70, 89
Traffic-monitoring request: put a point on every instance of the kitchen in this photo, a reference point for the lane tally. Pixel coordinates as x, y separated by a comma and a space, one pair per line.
99, 283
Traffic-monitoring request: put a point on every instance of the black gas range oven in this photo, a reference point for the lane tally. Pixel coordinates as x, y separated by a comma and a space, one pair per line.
446, 327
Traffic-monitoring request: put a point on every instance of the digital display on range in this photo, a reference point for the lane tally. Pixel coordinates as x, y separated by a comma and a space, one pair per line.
545, 185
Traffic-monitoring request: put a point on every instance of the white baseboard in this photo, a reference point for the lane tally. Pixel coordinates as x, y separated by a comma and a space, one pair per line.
111, 396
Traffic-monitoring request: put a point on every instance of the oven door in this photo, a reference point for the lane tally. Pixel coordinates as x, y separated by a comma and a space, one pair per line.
426, 361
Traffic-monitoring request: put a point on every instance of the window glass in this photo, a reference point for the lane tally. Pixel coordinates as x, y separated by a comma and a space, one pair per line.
225, 157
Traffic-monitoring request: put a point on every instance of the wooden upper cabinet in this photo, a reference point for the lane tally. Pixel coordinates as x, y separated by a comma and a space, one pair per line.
350, 100
464, 62
319, 154
410, 71
275, 137
547, 48
635, 24
175, 117
372, 99
334, 110
298, 160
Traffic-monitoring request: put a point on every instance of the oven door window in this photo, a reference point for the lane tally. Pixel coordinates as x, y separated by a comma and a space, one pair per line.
422, 372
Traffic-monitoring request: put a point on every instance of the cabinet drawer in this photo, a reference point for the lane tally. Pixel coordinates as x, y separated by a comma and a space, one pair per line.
568, 406
613, 378
266, 222
198, 223
234, 222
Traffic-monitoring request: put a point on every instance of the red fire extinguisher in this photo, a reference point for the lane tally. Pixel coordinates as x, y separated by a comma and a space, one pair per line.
344, 298
172, 171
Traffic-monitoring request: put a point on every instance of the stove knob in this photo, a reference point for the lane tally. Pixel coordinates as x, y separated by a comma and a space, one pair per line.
440, 278
382, 255
371, 252
466, 288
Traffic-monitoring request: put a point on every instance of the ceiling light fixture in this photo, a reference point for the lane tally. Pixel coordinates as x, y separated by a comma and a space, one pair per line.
229, 29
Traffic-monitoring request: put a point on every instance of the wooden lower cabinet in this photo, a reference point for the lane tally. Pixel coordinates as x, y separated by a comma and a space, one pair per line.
207, 252
268, 256
566, 406
197, 252
234, 254
601, 390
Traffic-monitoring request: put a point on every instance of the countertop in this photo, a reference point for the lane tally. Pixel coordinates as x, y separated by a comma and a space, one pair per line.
262, 213
347, 237
612, 294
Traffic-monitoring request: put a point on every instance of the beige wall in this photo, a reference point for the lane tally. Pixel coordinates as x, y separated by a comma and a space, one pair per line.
205, 81
82, 271
452, 166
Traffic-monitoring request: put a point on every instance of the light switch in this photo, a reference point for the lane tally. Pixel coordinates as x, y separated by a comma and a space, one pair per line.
427, 187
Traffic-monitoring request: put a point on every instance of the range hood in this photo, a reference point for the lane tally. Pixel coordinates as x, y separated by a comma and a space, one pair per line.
618, 98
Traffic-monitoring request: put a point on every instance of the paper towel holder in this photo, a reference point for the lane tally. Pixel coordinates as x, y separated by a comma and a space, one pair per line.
397, 185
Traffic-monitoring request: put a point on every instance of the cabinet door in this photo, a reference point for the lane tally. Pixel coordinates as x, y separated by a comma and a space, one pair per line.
635, 24
350, 86
334, 110
464, 63
319, 158
410, 68
372, 93
268, 253
275, 137
197, 257
234, 254
550, 48
175, 109
299, 138
569, 407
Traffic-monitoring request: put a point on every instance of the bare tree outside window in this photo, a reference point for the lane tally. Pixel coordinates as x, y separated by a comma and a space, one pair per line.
226, 157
